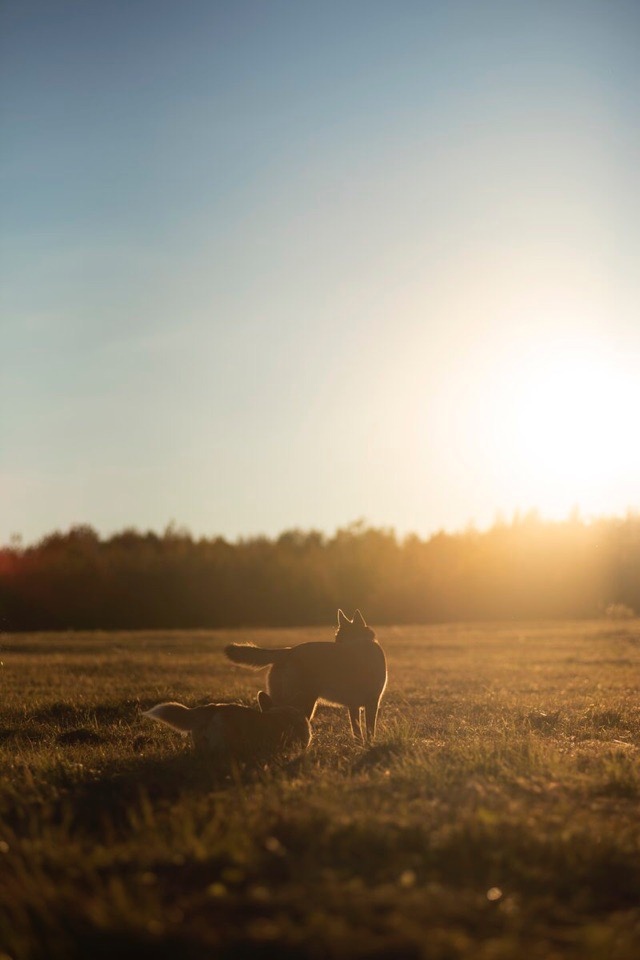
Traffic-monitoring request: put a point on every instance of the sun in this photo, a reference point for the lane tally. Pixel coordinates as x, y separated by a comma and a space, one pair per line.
572, 413
569, 415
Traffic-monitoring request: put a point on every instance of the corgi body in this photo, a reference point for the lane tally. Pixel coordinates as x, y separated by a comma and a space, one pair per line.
351, 671
235, 731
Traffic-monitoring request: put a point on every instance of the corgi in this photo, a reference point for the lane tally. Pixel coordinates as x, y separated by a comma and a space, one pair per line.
230, 730
351, 672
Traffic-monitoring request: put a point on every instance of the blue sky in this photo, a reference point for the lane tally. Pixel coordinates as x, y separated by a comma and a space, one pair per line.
267, 265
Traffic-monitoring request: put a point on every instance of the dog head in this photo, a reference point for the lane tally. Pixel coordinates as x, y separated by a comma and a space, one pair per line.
353, 631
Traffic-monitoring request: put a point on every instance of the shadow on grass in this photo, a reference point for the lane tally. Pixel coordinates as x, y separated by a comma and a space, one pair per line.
378, 755
10, 733
121, 793
37, 723
105, 944
70, 715
79, 736
115, 799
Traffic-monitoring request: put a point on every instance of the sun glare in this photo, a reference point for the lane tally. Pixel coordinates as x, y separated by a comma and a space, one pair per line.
572, 416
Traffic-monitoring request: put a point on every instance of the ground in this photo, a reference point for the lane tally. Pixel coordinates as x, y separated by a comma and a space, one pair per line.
496, 815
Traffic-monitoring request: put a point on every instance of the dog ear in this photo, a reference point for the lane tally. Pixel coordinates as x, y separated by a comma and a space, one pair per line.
359, 619
264, 701
342, 618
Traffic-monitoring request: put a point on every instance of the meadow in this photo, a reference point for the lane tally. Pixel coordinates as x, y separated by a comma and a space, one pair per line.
494, 817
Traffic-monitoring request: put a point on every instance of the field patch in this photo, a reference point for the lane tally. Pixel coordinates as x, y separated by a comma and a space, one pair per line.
495, 816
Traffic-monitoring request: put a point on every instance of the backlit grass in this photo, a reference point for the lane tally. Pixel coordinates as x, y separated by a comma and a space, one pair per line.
496, 815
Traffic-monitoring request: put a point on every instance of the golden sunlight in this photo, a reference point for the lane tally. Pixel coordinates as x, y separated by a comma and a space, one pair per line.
572, 415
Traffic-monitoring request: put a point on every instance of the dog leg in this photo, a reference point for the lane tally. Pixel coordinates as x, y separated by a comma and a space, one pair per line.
371, 713
356, 729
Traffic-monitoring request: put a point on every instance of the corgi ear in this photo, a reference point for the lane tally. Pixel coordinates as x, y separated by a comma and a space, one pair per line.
342, 618
264, 701
359, 619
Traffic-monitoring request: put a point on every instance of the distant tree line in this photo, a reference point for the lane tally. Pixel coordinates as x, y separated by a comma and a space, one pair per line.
527, 568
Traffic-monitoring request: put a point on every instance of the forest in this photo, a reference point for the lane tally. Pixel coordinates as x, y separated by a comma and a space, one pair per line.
527, 568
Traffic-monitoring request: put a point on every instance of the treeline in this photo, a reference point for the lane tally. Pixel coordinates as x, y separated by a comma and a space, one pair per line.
526, 569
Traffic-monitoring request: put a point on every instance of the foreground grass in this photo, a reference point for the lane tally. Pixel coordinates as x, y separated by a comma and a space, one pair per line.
496, 815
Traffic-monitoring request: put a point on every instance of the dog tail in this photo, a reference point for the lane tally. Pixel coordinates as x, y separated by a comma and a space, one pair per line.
175, 715
251, 656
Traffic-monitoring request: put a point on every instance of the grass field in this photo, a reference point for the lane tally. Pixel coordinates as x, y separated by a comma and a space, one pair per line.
496, 816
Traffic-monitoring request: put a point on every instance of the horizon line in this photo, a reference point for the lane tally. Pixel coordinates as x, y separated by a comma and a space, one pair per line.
519, 516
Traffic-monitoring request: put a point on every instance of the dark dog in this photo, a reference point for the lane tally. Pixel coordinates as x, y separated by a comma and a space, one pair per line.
352, 671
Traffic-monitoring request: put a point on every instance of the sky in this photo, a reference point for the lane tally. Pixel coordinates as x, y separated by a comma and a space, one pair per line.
267, 265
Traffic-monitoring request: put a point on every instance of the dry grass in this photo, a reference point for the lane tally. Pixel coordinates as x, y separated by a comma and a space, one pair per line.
496, 816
